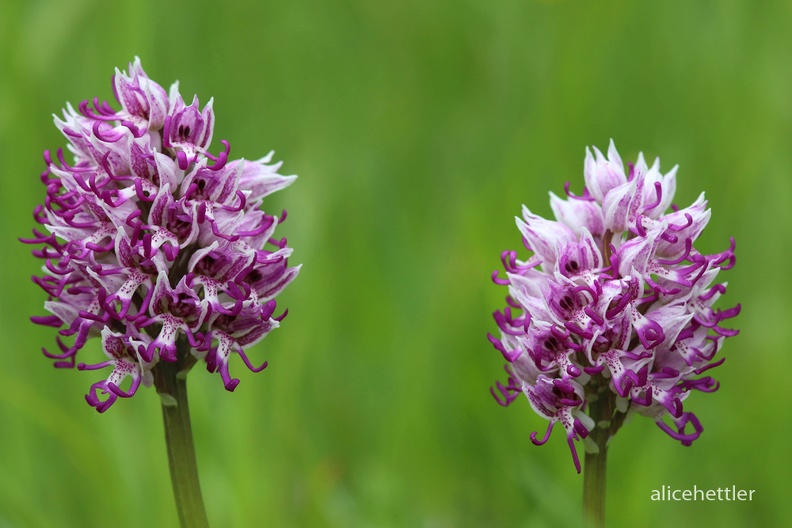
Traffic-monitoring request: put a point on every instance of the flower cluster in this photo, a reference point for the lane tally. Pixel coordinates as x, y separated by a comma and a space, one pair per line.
152, 242
615, 302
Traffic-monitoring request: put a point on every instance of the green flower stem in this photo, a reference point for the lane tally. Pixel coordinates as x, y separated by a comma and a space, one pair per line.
608, 420
594, 488
171, 382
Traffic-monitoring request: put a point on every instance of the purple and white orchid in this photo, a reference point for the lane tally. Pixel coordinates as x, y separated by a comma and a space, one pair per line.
615, 303
154, 244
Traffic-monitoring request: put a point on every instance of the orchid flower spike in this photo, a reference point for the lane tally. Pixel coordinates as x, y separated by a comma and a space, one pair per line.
154, 244
614, 305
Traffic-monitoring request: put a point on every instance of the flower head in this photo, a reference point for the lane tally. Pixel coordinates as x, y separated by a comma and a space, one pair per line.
153, 243
615, 305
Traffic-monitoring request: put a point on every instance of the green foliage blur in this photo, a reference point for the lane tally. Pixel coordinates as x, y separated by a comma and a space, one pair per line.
418, 128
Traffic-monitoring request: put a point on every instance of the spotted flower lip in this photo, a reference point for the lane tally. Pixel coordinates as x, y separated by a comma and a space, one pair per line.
152, 243
614, 302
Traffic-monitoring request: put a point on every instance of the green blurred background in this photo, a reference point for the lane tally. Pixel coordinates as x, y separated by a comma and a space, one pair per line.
418, 129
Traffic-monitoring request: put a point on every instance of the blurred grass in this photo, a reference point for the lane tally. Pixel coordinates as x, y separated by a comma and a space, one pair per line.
418, 129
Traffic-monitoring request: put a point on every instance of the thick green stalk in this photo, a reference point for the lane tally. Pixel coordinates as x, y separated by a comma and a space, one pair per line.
608, 420
171, 382
594, 488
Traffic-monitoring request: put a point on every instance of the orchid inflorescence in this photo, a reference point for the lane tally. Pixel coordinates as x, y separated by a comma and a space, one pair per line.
615, 303
152, 242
